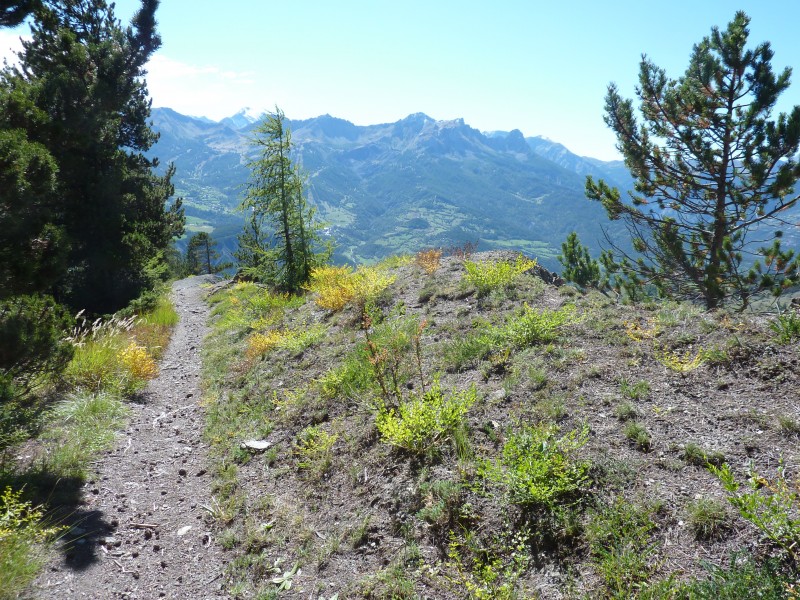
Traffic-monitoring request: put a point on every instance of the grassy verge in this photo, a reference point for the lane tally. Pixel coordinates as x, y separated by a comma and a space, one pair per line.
113, 360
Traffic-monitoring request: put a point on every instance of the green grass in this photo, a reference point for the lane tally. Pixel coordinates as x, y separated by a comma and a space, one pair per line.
24, 538
708, 518
619, 537
742, 578
638, 435
700, 457
634, 391
78, 429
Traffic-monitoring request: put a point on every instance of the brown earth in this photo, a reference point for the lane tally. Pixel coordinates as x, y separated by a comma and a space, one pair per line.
141, 526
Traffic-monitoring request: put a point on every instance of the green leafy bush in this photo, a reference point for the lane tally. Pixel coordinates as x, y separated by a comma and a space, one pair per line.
423, 422
786, 327
539, 469
22, 533
490, 276
771, 505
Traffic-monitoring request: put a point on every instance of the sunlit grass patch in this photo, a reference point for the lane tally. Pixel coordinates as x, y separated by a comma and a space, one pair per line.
488, 276
23, 538
78, 429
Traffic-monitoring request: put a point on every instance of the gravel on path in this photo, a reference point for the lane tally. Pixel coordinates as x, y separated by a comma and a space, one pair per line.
144, 530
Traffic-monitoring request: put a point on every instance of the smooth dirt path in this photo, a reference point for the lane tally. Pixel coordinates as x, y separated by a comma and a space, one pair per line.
144, 531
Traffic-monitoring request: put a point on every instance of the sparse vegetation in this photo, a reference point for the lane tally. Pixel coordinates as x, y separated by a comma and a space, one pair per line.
638, 435
477, 416
708, 518
786, 326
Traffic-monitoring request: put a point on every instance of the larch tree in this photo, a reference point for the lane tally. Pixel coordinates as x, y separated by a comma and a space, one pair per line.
280, 244
714, 174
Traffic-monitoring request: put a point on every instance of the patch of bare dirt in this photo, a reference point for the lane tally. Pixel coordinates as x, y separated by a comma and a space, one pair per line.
143, 529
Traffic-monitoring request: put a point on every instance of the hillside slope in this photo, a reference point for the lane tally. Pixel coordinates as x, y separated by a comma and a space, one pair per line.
530, 442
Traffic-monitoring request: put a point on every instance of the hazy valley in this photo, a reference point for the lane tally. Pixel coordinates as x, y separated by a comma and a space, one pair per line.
398, 187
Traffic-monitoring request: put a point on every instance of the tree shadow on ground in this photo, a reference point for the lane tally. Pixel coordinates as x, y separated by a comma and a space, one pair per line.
84, 529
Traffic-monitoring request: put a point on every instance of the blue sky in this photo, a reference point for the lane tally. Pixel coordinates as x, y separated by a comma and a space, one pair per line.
541, 67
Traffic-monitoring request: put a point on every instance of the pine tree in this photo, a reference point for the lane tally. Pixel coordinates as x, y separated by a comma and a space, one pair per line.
281, 243
711, 169
80, 94
579, 267
201, 256
14, 12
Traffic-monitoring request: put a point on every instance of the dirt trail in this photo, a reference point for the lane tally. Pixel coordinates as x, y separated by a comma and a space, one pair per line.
144, 530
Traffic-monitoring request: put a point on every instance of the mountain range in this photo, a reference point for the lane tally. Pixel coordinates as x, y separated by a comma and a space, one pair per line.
398, 187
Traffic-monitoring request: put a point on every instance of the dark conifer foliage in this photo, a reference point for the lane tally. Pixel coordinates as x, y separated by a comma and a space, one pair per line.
80, 94
579, 267
202, 256
711, 166
14, 12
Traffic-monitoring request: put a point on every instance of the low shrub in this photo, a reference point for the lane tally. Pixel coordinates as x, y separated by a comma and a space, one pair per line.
336, 287
539, 469
23, 535
425, 421
489, 276
428, 260
772, 505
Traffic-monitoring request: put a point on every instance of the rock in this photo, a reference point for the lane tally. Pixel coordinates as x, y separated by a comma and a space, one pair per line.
256, 445
184, 530
497, 395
